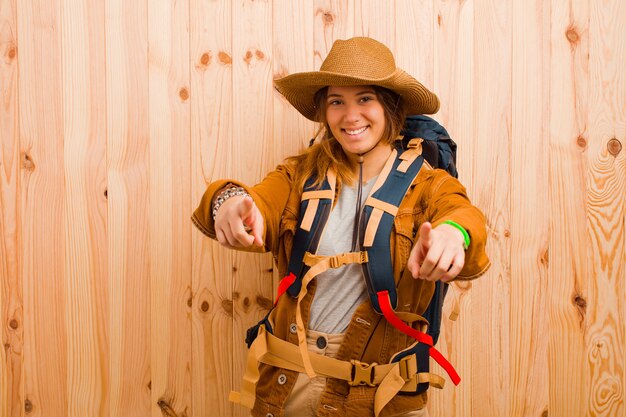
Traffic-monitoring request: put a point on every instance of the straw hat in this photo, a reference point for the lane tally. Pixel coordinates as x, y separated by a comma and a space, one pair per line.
357, 61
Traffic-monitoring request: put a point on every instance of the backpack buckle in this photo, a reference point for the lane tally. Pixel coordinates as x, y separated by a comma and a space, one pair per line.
362, 373
363, 257
408, 367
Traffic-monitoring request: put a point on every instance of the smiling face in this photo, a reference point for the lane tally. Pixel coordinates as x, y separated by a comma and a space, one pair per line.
356, 118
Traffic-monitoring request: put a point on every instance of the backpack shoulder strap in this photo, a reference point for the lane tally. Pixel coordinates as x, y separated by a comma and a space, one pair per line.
379, 211
315, 206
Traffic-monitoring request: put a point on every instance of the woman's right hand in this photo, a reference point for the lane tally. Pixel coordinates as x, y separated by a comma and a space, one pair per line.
239, 223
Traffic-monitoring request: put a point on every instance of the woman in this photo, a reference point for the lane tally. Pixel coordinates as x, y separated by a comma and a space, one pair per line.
361, 100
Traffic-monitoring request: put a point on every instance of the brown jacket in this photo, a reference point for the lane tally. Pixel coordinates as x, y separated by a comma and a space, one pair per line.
434, 196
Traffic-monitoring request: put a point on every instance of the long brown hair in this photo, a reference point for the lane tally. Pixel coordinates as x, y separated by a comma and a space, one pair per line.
327, 151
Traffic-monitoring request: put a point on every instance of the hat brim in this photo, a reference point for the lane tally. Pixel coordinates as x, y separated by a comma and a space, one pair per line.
300, 88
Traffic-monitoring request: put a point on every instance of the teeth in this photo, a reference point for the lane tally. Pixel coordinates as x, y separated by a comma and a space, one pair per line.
356, 132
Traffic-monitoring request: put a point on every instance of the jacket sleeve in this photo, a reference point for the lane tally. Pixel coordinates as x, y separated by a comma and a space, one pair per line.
448, 201
270, 196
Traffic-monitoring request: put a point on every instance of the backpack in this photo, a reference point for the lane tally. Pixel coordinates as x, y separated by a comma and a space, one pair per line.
439, 150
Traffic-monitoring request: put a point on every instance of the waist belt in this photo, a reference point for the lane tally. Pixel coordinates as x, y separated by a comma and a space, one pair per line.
390, 378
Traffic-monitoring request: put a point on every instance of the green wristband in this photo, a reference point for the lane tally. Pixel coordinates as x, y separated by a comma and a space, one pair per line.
466, 237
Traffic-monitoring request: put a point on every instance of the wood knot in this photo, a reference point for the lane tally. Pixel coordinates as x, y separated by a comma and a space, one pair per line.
28, 406
581, 142
27, 162
264, 302
260, 55
166, 409
183, 93
11, 52
106, 193
545, 413
204, 306
572, 35
580, 303
614, 146
224, 58
190, 302
205, 59
439, 19
248, 57
227, 306
507, 233
246, 303
545, 257
329, 18
150, 385
14, 324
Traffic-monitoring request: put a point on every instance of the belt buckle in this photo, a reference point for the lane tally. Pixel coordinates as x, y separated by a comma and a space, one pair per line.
362, 373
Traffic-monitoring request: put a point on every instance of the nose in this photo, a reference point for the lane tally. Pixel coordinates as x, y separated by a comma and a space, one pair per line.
352, 114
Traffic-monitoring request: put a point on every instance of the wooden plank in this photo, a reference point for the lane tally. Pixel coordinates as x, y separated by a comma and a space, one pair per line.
212, 150
453, 81
568, 263
43, 208
334, 19
128, 206
529, 168
84, 152
11, 297
491, 187
606, 208
254, 152
414, 42
376, 19
170, 205
293, 53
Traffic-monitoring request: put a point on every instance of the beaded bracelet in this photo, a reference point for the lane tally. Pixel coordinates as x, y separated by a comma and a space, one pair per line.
225, 195
466, 237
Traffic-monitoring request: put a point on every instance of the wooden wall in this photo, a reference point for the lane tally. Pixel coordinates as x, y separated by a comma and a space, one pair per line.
115, 114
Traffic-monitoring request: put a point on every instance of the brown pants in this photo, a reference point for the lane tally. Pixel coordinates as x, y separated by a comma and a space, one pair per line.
305, 396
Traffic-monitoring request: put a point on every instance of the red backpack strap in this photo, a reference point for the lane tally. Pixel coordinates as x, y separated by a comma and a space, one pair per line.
385, 305
283, 285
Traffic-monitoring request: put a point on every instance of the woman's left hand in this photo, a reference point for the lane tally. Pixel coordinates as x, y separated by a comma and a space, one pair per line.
438, 254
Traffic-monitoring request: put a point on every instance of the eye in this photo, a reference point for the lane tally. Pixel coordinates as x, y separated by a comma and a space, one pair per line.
334, 102
365, 99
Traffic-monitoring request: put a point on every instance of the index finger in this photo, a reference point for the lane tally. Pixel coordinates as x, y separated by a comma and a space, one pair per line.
257, 227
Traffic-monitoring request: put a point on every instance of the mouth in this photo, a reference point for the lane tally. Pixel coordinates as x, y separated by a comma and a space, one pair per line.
355, 132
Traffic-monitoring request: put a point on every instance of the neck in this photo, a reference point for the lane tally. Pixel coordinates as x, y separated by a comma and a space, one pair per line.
373, 161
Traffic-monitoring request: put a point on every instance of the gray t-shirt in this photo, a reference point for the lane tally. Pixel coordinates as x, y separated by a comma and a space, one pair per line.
339, 291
